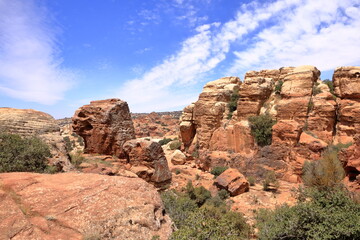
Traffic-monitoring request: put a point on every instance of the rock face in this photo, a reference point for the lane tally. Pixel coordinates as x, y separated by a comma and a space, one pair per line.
203, 117
233, 181
309, 117
28, 122
105, 126
79, 206
148, 161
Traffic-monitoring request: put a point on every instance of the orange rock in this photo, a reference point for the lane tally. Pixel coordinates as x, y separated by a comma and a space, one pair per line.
349, 120
233, 181
286, 132
313, 143
148, 161
105, 126
79, 206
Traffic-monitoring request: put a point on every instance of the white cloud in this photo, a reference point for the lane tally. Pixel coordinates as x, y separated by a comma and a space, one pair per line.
30, 67
313, 33
272, 35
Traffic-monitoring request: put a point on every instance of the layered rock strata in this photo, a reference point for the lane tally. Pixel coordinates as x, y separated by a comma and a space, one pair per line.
28, 122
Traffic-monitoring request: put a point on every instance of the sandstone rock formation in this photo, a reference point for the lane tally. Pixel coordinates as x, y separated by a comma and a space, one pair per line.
74, 143
309, 117
233, 181
147, 160
105, 126
156, 125
69, 206
28, 122
178, 157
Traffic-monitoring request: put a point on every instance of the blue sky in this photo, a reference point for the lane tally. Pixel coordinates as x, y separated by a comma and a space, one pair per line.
57, 55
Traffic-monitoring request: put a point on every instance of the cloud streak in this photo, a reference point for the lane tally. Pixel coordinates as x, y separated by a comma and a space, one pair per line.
261, 35
30, 65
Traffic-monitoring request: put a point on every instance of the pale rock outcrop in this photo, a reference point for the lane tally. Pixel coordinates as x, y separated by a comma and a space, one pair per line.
28, 122
178, 157
204, 116
233, 181
79, 206
286, 132
148, 161
347, 82
105, 126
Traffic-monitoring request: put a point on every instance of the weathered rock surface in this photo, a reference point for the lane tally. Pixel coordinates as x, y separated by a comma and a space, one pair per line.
206, 114
28, 122
79, 206
351, 159
309, 118
233, 181
148, 161
105, 126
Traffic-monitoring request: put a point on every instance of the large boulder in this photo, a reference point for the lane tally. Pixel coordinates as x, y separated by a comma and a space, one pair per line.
148, 161
178, 157
79, 206
105, 126
28, 122
233, 181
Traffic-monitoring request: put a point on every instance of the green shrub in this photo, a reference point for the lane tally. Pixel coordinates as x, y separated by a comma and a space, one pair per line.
323, 215
177, 171
213, 223
216, 171
316, 90
175, 145
68, 145
195, 154
223, 194
310, 106
330, 84
77, 158
251, 180
22, 154
270, 182
232, 105
278, 87
198, 194
325, 173
165, 141
261, 129
211, 220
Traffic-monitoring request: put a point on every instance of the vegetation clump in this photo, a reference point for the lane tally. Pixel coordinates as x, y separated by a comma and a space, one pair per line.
330, 84
23, 154
165, 141
261, 129
197, 215
278, 87
176, 144
232, 105
270, 182
216, 171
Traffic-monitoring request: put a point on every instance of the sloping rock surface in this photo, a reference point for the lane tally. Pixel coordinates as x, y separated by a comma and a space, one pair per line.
79, 206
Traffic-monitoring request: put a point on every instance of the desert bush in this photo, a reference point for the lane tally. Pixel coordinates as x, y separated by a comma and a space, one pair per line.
77, 158
251, 180
330, 84
232, 105
68, 145
213, 223
316, 90
270, 182
278, 87
223, 194
216, 171
165, 141
261, 129
198, 194
210, 220
322, 215
176, 144
23, 154
310, 105
325, 173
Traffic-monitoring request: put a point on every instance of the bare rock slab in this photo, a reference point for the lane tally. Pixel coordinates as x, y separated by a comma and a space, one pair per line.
233, 181
79, 206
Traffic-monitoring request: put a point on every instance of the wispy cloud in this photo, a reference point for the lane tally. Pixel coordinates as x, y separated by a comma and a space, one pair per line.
311, 32
30, 65
261, 35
